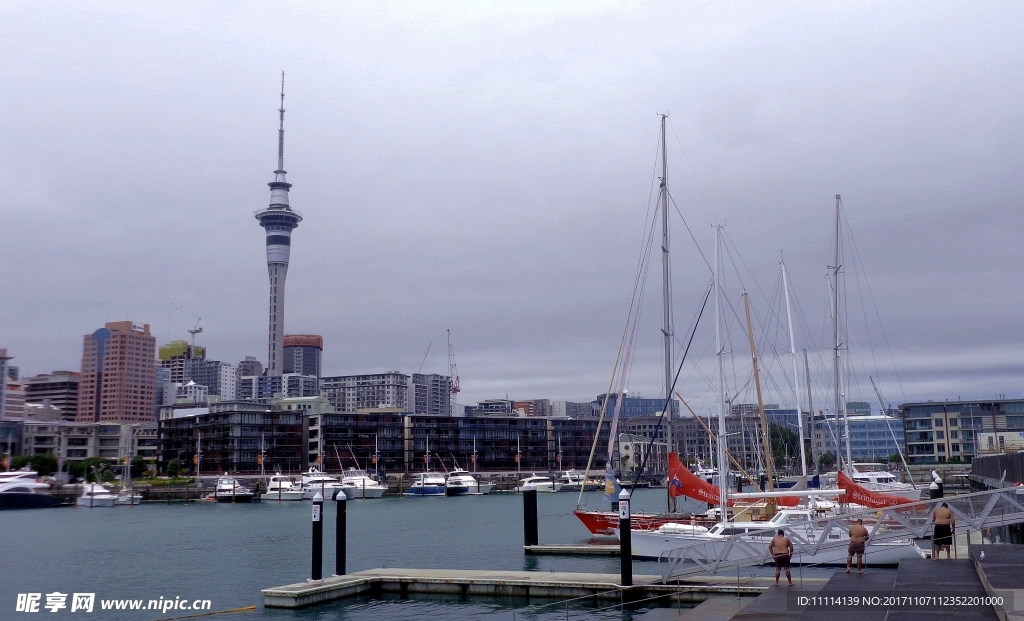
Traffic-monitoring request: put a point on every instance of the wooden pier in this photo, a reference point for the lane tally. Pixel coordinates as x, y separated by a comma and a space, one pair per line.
525, 584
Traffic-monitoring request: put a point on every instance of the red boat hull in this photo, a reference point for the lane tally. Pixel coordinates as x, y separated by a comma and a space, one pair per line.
605, 522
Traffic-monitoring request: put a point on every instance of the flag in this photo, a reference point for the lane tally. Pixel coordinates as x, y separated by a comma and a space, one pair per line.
195, 460
517, 458
611, 485
259, 460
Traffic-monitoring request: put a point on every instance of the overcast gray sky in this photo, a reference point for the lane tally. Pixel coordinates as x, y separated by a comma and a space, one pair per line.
487, 167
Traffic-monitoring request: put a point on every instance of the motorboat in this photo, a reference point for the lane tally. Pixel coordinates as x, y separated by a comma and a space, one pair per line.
876, 478
96, 495
313, 481
427, 484
358, 484
25, 494
539, 484
282, 488
129, 497
462, 483
804, 521
230, 490
25, 474
574, 481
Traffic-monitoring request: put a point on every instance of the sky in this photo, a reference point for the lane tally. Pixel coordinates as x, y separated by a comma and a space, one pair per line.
488, 168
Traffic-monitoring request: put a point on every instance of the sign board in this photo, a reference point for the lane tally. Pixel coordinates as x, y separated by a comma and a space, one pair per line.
623, 509
316, 512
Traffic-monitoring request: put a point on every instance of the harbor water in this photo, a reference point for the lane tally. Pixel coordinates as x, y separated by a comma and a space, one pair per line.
227, 553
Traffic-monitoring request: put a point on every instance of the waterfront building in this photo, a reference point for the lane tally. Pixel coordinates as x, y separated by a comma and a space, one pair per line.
492, 407
942, 431
873, 437
302, 353
431, 394
350, 393
117, 382
278, 221
14, 396
177, 357
59, 388
44, 431
269, 386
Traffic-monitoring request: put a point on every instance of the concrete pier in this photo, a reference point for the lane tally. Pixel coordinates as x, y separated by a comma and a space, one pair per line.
561, 549
525, 584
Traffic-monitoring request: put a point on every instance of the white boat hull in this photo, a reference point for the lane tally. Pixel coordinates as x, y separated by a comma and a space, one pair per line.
93, 501
284, 495
359, 493
651, 545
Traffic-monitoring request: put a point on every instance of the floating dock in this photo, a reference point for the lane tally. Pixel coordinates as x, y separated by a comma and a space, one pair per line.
560, 549
525, 584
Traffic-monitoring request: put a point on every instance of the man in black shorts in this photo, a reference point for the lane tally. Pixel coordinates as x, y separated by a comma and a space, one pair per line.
781, 549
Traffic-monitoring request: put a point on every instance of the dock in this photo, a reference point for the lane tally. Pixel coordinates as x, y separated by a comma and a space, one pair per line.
563, 549
525, 584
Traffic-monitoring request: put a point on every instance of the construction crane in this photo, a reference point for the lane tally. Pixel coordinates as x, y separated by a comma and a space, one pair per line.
196, 330
453, 372
419, 365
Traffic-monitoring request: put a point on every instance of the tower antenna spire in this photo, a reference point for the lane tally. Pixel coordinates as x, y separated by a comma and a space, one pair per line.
280, 131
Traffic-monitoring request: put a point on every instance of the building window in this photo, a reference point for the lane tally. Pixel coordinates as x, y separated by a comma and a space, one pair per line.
938, 422
952, 422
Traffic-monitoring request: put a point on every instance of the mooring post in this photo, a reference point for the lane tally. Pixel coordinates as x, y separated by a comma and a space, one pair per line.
339, 535
530, 536
318, 537
625, 541
739, 483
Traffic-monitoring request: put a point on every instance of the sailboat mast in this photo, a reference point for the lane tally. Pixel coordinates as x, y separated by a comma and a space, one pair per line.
796, 375
810, 405
765, 431
666, 293
723, 463
835, 340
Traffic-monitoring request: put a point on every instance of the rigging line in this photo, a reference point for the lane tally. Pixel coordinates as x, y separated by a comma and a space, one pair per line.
667, 408
874, 304
711, 212
699, 249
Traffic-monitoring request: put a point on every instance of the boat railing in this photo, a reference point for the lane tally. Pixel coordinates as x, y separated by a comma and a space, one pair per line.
975, 511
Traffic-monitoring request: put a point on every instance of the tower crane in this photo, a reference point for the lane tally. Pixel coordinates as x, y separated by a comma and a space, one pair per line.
419, 365
453, 372
196, 330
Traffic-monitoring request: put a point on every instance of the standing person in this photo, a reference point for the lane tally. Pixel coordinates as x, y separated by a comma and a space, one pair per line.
858, 541
781, 549
942, 536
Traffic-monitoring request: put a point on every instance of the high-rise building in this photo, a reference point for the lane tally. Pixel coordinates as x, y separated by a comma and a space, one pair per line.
166, 390
278, 220
14, 397
269, 386
60, 388
570, 409
177, 356
118, 383
302, 354
350, 393
432, 394
534, 407
3, 383
249, 367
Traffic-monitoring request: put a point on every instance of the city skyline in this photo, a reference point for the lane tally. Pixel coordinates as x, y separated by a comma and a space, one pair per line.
489, 172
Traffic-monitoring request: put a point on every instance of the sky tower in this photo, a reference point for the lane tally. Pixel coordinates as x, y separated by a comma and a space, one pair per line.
278, 219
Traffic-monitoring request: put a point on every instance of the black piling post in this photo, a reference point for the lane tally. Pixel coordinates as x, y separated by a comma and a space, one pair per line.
625, 541
318, 537
341, 526
739, 483
763, 480
530, 535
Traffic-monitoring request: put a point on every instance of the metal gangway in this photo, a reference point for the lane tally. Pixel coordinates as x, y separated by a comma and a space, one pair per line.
999, 507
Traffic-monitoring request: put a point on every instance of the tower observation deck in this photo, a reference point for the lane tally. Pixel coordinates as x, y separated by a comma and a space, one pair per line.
279, 219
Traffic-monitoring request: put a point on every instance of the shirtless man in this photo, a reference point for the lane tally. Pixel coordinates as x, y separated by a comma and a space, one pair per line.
858, 540
781, 549
942, 536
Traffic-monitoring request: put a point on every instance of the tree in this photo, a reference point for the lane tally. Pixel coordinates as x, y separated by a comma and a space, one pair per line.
895, 458
138, 466
173, 468
90, 465
827, 460
45, 464
784, 442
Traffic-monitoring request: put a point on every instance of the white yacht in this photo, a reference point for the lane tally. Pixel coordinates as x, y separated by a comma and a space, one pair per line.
230, 490
574, 481
539, 483
129, 497
652, 544
876, 478
462, 483
357, 484
95, 495
281, 488
314, 481
25, 494
427, 484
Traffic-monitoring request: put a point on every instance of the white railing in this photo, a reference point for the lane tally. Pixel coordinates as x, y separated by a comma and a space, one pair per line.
892, 524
